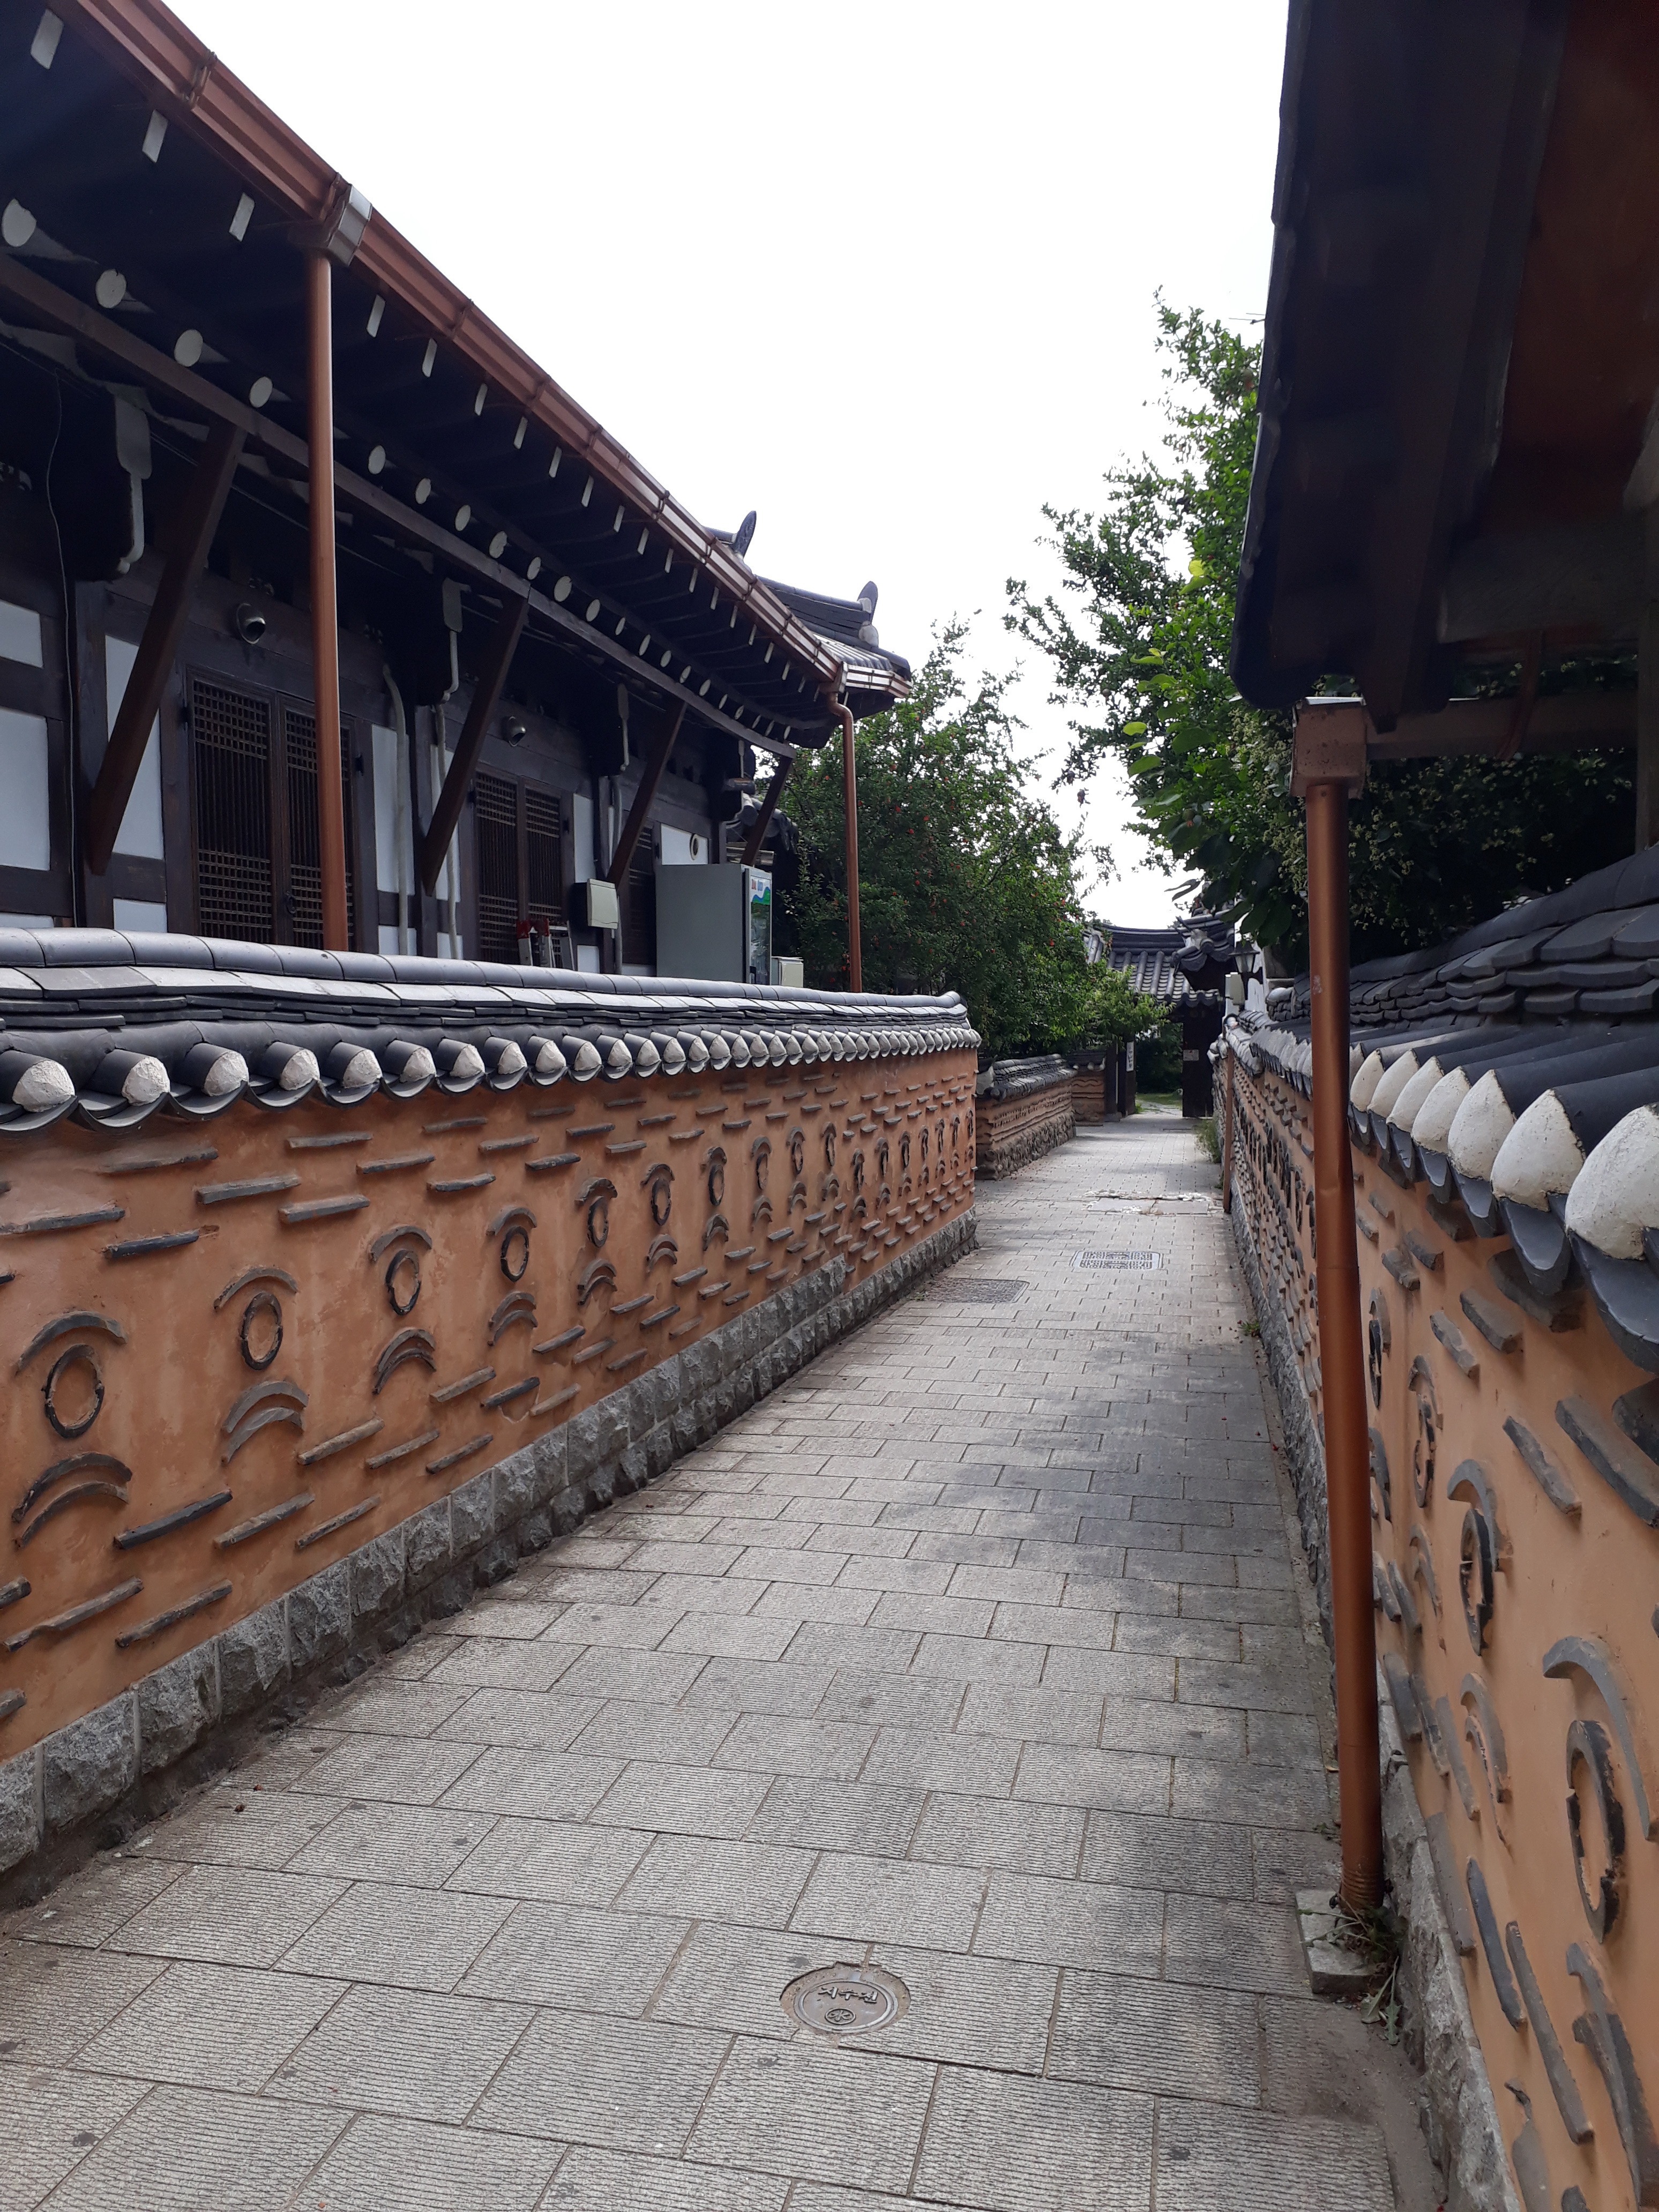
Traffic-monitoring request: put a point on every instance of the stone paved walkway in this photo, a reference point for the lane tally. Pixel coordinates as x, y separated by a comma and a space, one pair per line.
975, 1653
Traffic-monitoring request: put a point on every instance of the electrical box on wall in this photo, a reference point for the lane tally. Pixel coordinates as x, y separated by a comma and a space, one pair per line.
715, 923
592, 904
792, 974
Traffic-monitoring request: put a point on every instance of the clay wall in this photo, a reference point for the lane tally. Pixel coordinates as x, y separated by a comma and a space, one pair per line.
1515, 1587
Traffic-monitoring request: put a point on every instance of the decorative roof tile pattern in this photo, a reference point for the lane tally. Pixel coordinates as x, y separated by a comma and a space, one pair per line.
114, 1027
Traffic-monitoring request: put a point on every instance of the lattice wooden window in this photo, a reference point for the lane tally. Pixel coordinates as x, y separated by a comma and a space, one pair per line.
305, 883
231, 740
544, 854
496, 803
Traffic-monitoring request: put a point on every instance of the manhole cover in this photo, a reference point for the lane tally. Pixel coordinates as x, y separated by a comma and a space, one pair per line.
842, 2000
1140, 1259
981, 1290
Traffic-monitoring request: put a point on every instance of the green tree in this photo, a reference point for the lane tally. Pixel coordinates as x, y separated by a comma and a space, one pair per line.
966, 882
1116, 1012
1137, 641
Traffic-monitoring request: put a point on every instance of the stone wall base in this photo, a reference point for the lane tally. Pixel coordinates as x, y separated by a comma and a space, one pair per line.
1460, 2117
1001, 1155
88, 1785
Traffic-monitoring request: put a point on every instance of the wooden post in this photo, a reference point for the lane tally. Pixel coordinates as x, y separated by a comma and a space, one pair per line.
751, 851
1224, 1107
486, 697
1647, 692
204, 502
656, 763
849, 775
1327, 755
325, 609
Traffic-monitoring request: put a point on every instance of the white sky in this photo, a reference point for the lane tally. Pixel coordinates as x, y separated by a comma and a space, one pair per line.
887, 279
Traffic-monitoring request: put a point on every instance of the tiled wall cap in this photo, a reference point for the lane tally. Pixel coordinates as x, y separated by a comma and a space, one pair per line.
1402, 1115
671, 1053
1479, 1128
1616, 1196
547, 1062
349, 1072
407, 1068
1431, 1126
1541, 1158
696, 1051
1366, 1082
287, 1072
460, 1065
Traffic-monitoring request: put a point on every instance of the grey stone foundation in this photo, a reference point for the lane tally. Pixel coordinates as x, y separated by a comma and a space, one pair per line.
1459, 2118
116, 1764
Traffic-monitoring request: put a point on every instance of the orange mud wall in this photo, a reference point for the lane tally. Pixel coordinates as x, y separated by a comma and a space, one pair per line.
1534, 1787
239, 1349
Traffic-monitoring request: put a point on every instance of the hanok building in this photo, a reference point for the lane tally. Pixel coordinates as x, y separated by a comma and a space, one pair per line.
335, 1274
549, 673
1443, 1179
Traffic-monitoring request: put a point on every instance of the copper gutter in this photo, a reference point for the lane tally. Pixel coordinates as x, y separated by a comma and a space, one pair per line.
1342, 1374
149, 44
324, 603
849, 775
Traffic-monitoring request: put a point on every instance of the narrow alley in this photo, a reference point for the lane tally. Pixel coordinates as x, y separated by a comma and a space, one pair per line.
977, 1655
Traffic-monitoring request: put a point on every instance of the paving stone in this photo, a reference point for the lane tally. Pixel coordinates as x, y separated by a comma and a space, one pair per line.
966, 1766
777, 1744
1254, 1795
999, 2140
652, 1677
218, 2027
481, 1663
56, 2000
976, 2011
1032, 1716
48, 2129
511, 1619
866, 1900
85, 1910
410, 1771
974, 1831
590, 2180
386, 2165
682, 1800
1215, 2161
1113, 1781
540, 1784
792, 2109
422, 1844
1227, 1944
625, 2085
237, 1916
582, 1959
733, 1977
744, 1686
559, 1861
405, 1938
857, 1693
378, 1706
1144, 1853
1125, 2034
711, 1877
848, 1816
665, 1733
239, 1823
1071, 1923
401, 2051
245, 2155
537, 1720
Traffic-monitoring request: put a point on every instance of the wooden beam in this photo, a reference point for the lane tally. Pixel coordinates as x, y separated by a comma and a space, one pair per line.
1587, 575
661, 746
486, 697
204, 502
751, 851
62, 311
1494, 729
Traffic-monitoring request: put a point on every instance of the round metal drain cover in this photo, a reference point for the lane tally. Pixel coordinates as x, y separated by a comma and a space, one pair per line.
842, 2000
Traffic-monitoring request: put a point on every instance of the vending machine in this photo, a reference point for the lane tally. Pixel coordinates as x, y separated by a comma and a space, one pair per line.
715, 923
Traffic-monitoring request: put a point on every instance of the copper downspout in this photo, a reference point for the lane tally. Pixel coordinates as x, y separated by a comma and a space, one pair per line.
325, 611
1226, 1147
849, 774
1340, 1357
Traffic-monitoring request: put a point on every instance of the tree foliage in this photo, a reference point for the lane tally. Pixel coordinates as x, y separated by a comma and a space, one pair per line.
1116, 1012
966, 882
1137, 639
